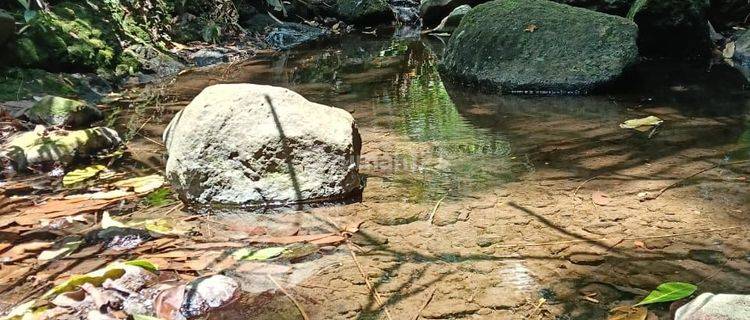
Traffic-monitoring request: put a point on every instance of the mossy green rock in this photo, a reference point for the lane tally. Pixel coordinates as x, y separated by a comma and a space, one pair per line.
673, 28
364, 11
32, 148
452, 21
58, 111
539, 46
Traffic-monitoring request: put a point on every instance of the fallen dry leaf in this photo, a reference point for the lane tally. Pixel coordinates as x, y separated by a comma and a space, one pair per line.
55, 208
600, 198
627, 313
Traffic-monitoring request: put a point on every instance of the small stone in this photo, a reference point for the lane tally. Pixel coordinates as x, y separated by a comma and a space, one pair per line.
586, 259
711, 257
488, 240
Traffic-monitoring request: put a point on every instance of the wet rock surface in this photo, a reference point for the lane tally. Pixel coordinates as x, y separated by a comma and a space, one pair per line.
40, 147
537, 52
261, 145
289, 35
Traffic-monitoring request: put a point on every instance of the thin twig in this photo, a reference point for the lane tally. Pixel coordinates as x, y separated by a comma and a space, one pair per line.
581, 185
424, 305
374, 292
302, 311
693, 175
540, 244
437, 205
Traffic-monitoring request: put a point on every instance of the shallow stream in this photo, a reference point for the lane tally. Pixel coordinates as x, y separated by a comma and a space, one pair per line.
498, 170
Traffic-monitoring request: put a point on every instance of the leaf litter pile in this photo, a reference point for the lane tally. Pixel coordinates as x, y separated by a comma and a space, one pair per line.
101, 244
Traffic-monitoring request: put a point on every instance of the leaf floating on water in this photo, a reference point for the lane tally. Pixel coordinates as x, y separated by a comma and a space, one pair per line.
142, 185
81, 175
259, 255
669, 291
628, 313
642, 124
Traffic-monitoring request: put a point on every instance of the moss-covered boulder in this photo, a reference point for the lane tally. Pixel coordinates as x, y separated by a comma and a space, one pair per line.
539, 46
58, 111
39, 147
364, 11
672, 28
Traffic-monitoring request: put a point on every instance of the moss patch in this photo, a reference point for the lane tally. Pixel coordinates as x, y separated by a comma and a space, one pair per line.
21, 84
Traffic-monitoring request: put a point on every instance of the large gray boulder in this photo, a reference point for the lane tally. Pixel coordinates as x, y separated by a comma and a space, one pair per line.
246, 144
539, 46
709, 306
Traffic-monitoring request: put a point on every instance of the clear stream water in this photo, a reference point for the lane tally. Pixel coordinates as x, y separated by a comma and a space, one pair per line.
482, 140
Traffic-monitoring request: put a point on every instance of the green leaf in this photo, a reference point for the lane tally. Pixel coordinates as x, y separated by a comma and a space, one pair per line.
145, 264
637, 6
262, 254
277, 5
669, 291
81, 175
24, 3
64, 250
29, 15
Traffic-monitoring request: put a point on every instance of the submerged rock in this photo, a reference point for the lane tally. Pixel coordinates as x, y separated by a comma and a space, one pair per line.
452, 21
57, 111
364, 11
673, 28
249, 144
709, 306
37, 147
291, 34
539, 46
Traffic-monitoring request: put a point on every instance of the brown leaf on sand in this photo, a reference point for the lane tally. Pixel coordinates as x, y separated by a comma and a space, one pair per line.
627, 313
55, 208
600, 198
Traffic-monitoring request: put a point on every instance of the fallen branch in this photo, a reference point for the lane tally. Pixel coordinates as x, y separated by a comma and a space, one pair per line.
541, 244
424, 305
374, 292
693, 175
299, 307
